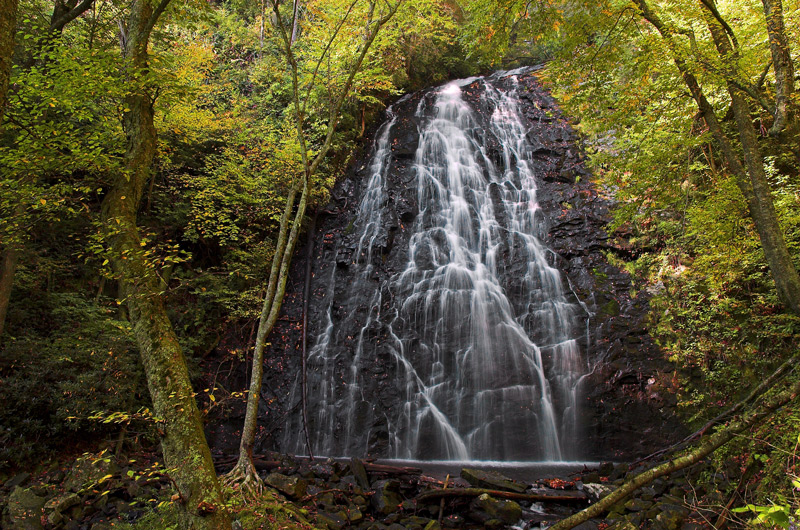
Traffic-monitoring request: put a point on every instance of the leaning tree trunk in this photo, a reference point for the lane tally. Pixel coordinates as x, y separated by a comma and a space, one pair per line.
750, 179
244, 472
186, 452
759, 198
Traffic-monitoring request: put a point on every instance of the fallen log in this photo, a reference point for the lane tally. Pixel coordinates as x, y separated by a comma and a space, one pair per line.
268, 465
576, 496
391, 470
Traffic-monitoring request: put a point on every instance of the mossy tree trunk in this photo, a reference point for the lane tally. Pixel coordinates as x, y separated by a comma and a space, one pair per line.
186, 452
782, 66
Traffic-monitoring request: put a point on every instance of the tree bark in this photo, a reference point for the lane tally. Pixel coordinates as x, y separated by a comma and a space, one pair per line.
781, 64
10, 260
8, 26
183, 442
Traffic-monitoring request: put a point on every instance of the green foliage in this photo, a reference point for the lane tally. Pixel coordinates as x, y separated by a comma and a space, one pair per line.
74, 360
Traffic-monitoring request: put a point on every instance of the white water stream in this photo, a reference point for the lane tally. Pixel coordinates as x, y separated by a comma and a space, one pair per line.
487, 357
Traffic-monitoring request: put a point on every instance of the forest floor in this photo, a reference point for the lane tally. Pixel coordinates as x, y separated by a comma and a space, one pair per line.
100, 492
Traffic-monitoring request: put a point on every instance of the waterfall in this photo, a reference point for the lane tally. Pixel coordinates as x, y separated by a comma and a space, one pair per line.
470, 349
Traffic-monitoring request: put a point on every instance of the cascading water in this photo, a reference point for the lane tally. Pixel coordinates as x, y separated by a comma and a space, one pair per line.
485, 356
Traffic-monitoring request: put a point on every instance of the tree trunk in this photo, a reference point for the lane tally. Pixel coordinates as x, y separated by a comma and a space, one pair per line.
759, 201
279, 274
244, 471
8, 26
10, 260
183, 442
781, 64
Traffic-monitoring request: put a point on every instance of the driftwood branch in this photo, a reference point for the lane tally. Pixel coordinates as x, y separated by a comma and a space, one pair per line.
476, 492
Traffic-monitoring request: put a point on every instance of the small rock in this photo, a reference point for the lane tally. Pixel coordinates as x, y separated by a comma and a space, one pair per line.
637, 505
353, 514
670, 518
647, 494
88, 470
331, 521
485, 508
415, 522
360, 473
623, 524
292, 486
25, 509
592, 477
492, 479
606, 468
386, 499
595, 492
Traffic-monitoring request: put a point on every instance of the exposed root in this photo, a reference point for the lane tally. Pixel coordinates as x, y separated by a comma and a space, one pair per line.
244, 479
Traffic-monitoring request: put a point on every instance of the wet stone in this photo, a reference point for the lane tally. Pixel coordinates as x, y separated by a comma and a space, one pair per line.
485, 508
331, 521
637, 505
25, 509
292, 486
360, 473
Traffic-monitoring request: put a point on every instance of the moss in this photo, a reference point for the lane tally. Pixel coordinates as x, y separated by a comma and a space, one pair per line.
349, 229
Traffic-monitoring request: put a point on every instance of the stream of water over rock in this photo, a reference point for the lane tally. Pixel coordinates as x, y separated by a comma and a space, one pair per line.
483, 336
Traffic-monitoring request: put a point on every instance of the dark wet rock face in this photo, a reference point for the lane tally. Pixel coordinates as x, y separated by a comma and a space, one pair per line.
367, 326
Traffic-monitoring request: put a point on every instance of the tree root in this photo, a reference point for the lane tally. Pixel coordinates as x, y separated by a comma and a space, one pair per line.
243, 478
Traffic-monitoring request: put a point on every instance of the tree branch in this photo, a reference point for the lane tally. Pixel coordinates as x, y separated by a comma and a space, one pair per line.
59, 20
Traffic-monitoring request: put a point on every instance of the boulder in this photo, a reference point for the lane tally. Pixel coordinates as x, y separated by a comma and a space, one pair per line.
88, 470
493, 480
25, 509
595, 492
386, 499
331, 521
486, 508
294, 487
17, 480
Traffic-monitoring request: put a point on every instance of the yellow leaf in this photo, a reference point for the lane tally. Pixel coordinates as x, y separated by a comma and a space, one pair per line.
43, 201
